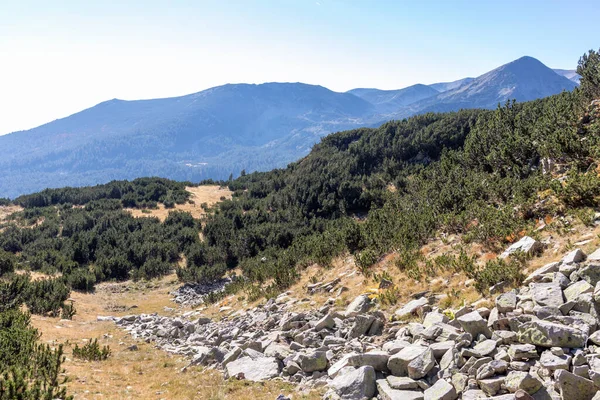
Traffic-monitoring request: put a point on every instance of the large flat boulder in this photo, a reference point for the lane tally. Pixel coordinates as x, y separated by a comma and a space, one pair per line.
260, 369
547, 294
526, 245
387, 393
551, 334
410, 307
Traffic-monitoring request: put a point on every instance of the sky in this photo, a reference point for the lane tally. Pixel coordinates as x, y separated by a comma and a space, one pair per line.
59, 57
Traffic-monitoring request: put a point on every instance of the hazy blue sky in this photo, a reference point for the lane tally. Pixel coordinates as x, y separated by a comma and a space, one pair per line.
58, 57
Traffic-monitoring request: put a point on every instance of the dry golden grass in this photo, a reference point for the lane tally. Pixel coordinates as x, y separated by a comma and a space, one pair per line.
201, 194
5, 211
148, 373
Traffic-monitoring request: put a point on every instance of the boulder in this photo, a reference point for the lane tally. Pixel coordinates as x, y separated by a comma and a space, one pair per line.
491, 386
540, 272
441, 390
575, 290
506, 302
550, 334
387, 393
327, 322
595, 256
516, 380
474, 324
361, 325
526, 245
434, 318
485, 347
398, 363
359, 305
547, 294
402, 383
311, 362
552, 361
573, 387
589, 273
356, 385
573, 257
410, 307
519, 352
261, 369
420, 366
377, 359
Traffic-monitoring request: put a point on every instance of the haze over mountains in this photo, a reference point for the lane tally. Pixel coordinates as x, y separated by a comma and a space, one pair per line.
227, 129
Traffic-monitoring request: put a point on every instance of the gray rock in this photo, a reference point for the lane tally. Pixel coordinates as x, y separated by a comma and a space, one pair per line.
361, 325
459, 381
492, 368
518, 352
310, 362
526, 245
595, 256
356, 385
441, 390
440, 348
506, 302
546, 294
491, 386
516, 380
420, 366
402, 383
485, 347
410, 307
377, 359
398, 363
573, 387
343, 362
474, 324
434, 318
561, 279
590, 273
550, 334
595, 338
573, 257
553, 362
395, 346
254, 370
575, 290
327, 322
387, 393
359, 305
504, 337
278, 351
538, 273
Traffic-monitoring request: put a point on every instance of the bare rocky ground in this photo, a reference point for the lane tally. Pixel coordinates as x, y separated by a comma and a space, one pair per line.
539, 341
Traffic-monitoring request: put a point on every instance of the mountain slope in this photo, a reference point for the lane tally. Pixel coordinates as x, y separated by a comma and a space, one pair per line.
207, 134
445, 86
570, 74
389, 101
523, 80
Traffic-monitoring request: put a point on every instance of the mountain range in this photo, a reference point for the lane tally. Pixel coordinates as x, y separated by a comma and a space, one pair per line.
235, 127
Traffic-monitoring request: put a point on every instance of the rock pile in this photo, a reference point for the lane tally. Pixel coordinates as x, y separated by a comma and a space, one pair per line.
192, 294
541, 341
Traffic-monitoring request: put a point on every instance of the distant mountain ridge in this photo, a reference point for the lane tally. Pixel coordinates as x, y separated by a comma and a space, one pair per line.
223, 130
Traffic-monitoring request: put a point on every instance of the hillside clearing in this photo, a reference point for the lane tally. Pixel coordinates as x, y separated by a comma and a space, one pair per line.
205, 194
